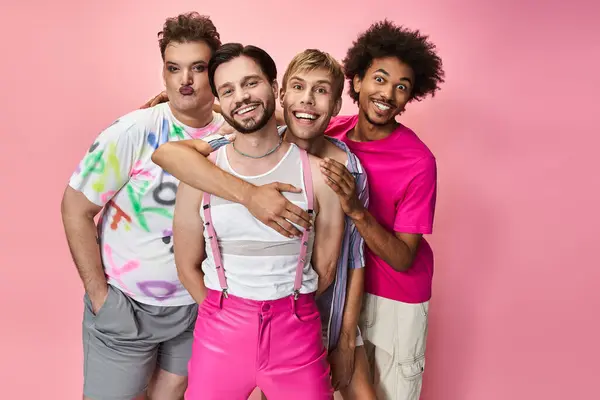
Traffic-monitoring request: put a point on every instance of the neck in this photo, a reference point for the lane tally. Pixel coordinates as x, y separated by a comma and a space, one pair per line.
258, 143
315, 146
196, 118
365, 131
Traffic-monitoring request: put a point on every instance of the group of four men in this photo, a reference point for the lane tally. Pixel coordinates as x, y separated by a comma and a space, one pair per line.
230, 245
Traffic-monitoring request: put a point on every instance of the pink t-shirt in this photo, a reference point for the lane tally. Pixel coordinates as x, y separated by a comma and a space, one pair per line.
401, 171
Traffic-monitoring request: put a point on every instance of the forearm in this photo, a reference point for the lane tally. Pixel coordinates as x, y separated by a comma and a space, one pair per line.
192, 168
193, 281
382, 242
354, 295
326, 273
82, 239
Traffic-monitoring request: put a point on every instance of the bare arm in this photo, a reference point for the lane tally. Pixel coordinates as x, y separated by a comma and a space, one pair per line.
266, 203
188, 241
395, 248
78, 220
329, 230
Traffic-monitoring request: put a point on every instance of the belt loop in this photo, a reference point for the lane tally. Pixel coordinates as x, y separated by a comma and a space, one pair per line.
293, 300
221, 296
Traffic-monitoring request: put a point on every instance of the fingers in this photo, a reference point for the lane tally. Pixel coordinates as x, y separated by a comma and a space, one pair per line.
161, 98
286, 187
147, 104
301, 218
335, 166
289, 229
336, 182
339, 174
230, 137
275, 226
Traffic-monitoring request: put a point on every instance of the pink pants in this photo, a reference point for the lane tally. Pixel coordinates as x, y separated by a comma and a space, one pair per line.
240, 344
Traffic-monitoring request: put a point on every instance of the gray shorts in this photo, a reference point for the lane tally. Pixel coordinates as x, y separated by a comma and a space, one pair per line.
126, 340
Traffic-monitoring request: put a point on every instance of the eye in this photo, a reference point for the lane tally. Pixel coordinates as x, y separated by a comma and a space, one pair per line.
200, 68
171, 68
297, 87
226, 92
402, 87
252, 83
322, 91
379, 79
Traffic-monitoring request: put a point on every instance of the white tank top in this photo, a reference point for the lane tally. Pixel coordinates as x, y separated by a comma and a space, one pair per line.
259, 263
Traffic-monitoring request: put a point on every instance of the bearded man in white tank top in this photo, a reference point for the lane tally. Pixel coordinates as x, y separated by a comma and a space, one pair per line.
258, 324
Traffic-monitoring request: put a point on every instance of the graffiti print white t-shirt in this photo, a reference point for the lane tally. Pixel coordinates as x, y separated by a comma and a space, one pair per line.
135, 227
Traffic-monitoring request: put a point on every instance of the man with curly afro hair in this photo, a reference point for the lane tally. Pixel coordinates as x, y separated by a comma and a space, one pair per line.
387, 67
138, 317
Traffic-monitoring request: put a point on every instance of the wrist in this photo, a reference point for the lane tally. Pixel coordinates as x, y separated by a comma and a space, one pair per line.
348, 337
246, 194
358, 215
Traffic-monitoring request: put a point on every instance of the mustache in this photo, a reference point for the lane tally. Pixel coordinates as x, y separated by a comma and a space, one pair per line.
245, 103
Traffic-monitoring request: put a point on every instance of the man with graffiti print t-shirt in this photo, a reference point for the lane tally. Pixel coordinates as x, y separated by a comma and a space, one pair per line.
138, 318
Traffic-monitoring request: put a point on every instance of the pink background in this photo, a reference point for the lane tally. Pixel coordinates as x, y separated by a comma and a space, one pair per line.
515, 307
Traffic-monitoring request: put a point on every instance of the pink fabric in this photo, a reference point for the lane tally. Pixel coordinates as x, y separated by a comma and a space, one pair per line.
276, 345
402, 192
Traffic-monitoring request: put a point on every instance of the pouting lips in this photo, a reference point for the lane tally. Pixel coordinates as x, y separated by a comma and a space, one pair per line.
186, 90
304, 115
246, 109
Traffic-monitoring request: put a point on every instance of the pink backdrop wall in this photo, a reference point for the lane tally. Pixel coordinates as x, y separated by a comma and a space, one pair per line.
514, 314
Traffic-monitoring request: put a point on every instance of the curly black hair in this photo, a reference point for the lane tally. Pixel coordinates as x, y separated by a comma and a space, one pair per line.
384, 39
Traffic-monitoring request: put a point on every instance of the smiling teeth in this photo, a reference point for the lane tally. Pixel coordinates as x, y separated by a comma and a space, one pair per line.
305, 116
246, 110
381, 106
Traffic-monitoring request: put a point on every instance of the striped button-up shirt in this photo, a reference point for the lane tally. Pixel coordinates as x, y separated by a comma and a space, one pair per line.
333, 301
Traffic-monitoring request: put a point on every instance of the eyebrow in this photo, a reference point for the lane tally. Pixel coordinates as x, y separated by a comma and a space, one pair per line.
194, 63
244, 80
404, 78
247, 78
319, 82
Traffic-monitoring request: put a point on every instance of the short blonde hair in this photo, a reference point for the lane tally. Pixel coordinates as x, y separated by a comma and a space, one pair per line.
311, 59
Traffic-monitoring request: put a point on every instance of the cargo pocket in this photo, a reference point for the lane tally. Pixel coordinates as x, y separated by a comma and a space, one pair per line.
412, 370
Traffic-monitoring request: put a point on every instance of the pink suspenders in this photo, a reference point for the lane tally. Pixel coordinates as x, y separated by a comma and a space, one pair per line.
214, 244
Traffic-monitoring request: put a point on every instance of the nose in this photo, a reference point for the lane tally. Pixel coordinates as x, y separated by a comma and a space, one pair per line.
308, 97
388, 92
241, 95
187, 78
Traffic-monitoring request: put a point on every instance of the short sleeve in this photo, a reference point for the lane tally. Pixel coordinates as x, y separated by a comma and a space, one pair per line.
216, 141
107, 165
415, 211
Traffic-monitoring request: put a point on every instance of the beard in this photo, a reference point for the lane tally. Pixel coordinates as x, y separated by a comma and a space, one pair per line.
253, 124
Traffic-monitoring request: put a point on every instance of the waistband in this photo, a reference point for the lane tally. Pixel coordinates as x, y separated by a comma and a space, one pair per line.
283, 304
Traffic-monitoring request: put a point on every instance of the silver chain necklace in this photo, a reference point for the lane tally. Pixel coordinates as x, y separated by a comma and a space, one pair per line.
264, 155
